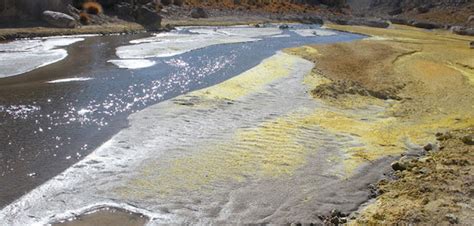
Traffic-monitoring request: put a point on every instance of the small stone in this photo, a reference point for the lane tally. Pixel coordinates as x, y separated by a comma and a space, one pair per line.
452, 219
398, 166
425, 159
468, 139
424, 170
284, 26
445, 136
428, 147
425, 201
335, 213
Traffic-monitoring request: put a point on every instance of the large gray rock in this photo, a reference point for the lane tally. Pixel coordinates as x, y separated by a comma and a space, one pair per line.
35, 8
401, 21
470, 19
148, 18
426, 25
58, 19
369, 22
311, 20
462, 30
124, 11
199, 13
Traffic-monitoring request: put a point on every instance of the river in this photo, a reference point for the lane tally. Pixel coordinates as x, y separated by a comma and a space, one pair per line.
54, 116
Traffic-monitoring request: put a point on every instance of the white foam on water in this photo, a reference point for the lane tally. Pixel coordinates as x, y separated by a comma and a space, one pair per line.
314, 32
22, 56
281, 36
251, 32
69, 80
133, 63
172, 44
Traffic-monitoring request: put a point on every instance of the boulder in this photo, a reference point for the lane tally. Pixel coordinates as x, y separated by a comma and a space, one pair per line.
284, 27
471, 45
58, 19
340, 21
124, 11
369, 23
424, 8
468, 139
311, 20
178, 2
148, 18
199, 13
426, 25
470, 19
35, 8
144, 2
400, 21
395, 12
462, 30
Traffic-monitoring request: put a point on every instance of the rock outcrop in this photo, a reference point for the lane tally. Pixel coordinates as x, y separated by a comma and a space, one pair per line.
148, 18
58, 19
198, 13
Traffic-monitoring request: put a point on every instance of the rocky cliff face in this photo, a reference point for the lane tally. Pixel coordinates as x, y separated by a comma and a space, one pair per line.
448, 12
30, 8
403, 5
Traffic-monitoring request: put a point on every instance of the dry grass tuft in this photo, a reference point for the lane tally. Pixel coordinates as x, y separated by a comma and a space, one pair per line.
84, 18
92, 8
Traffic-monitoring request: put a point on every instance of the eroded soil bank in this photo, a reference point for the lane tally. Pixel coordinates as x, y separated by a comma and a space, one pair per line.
428, 78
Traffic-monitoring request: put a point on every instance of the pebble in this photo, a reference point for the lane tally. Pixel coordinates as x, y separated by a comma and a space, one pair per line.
428, 147
444, 136
398, 166
468, 139
452, 219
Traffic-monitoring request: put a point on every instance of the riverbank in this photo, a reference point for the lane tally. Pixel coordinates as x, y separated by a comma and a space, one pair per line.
7, 34
428, 78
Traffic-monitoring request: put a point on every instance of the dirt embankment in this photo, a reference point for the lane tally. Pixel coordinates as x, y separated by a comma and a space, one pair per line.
425, 82
434, 189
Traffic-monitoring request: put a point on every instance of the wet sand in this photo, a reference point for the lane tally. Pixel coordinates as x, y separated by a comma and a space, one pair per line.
106, 217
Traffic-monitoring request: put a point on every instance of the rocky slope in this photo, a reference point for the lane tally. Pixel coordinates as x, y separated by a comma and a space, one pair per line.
452, 12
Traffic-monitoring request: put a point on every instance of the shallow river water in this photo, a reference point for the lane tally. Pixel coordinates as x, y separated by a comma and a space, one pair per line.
56, 115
